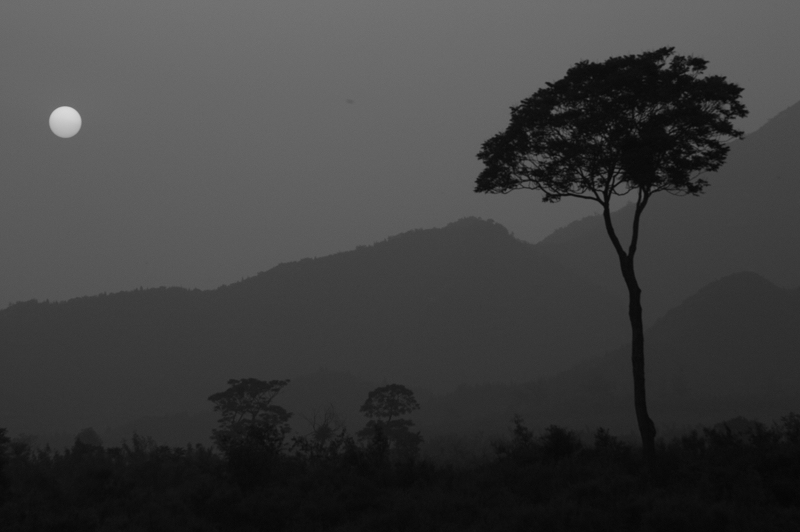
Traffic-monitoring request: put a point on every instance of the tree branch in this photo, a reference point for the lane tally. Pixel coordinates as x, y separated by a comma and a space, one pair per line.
641, 202
611, 233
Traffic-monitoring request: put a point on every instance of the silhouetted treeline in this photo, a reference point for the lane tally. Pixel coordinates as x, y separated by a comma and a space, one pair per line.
710, 481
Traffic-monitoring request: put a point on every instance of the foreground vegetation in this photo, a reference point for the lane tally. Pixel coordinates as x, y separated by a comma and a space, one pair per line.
713, 481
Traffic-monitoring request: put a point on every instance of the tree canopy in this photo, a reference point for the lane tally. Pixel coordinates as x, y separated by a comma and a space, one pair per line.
247, 411
389, 401
650, 122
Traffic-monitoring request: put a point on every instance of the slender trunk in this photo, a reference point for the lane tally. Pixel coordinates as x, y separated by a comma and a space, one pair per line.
647, 428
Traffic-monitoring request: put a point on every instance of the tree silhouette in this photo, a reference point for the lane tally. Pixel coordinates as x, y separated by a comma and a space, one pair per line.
327, 437
248, 415
644, 123
330, 426
383, 406
89, 437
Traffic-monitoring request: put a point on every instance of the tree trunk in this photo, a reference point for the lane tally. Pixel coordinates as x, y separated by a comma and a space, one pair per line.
646, 426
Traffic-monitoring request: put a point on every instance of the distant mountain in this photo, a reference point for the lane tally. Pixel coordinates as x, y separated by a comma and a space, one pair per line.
730, 349
435, 308
748, 219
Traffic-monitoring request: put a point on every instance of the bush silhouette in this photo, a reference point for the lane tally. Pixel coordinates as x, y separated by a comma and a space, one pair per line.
522, 448
610, 446
559, 443
89, 437
791, 428
700, 485
325, 442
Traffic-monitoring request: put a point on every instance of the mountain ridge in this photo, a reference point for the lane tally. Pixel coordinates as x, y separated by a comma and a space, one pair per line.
690, 373
430, 308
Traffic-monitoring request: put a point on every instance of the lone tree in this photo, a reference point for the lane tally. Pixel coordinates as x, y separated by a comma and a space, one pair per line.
645, 123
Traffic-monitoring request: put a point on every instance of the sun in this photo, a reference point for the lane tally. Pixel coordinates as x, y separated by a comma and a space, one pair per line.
65, 122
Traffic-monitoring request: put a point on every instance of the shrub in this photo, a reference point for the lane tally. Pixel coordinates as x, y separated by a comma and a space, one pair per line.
693, 444
791, 428
559, 443
89, 436
521, 449
609, 446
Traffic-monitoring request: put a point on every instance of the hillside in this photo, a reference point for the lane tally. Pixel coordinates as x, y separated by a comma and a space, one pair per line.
730, 349
467, 303
699, 370
746, 220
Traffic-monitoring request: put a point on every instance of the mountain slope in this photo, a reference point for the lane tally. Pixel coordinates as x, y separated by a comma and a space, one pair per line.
729, 350
433, 308
747, 220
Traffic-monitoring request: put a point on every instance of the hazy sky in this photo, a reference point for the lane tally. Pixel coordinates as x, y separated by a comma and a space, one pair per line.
222, 138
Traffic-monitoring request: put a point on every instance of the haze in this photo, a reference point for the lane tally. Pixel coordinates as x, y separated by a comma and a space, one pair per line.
223, 138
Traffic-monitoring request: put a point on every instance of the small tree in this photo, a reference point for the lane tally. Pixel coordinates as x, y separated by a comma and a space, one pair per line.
383, 406
326, 439
248, 415
330, 426
645, 123
559, 443
89, 437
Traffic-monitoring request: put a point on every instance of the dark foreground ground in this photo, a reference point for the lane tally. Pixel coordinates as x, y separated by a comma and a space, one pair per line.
705, 482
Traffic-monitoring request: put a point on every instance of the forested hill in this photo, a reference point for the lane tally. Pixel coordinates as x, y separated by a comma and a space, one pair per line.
748, 219
465, 303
